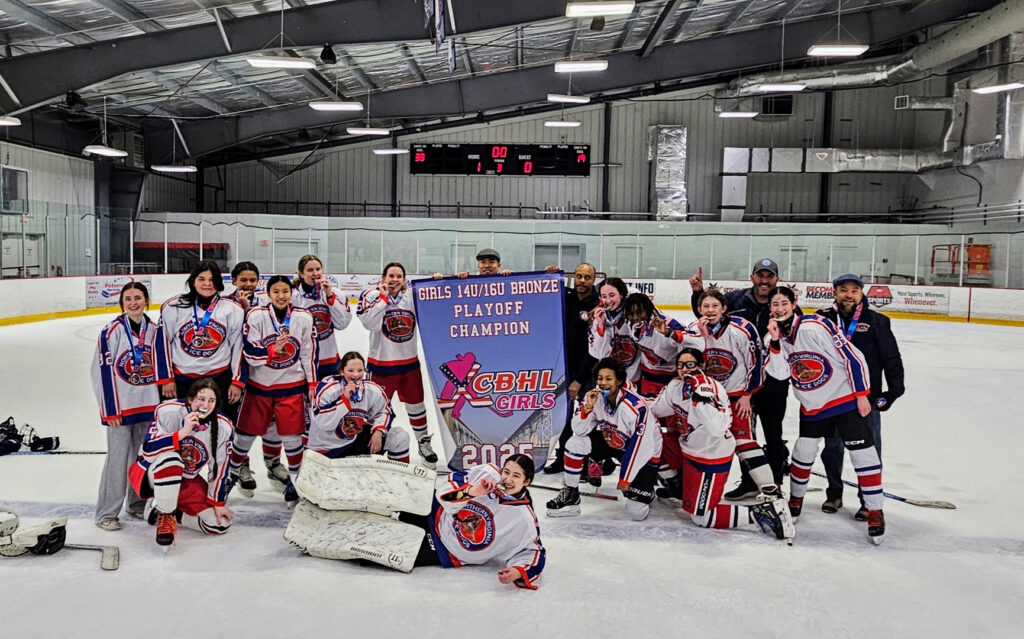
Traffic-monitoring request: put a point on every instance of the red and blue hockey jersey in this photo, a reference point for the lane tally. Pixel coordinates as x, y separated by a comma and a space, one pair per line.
127, 371
392, 325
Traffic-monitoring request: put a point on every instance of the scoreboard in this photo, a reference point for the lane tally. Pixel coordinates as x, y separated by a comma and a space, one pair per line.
524, 160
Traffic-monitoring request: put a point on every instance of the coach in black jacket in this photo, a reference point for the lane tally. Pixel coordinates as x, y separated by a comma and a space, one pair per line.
769, 403
871, 333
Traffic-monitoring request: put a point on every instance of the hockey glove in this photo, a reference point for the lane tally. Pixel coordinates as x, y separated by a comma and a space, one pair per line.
703, 389
884, 402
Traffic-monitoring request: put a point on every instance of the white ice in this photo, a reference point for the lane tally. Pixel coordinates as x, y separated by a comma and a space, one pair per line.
957, 435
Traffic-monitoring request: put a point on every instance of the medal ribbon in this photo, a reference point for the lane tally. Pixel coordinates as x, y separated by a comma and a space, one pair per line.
285, 323
201, 324
138, 348
853, 321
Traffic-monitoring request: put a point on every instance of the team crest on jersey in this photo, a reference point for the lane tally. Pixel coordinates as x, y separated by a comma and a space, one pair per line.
144, 374
809, 370
624, 350
322, 320
193, 453
719, 363
285, 357
351, 424
612, 437
473, 526
399, 325
202, 344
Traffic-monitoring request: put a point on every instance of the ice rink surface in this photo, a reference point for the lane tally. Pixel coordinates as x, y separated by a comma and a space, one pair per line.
958, 435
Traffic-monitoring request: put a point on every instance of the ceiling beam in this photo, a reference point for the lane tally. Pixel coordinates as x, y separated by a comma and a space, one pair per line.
129, 13
410, 63
670, 62
734, 15
660, 26
44, 77
43, 22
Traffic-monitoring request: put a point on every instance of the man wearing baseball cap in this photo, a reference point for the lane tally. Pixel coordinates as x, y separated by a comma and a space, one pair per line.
871, 333
488, 262
769, 403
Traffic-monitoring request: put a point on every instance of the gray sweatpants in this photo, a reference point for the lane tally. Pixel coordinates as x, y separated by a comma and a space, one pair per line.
123, 444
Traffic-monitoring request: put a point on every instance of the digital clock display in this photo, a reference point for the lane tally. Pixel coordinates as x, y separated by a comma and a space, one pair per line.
524, 160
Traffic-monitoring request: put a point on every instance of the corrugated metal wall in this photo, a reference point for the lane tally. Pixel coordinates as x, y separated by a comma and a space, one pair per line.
863, 118
166, 193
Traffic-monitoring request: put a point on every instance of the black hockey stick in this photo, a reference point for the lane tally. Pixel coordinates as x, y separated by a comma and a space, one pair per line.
587, 493
924, 503
60, 452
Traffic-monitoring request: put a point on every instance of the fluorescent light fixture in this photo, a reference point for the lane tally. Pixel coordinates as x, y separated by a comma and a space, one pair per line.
174, 168
106, 151
390, 151
569, 99
366, 130
580, 66
562, 124
781, 87
336, 105
9, 120
996, 88
594, 9
738, 114
837, 50
280, 62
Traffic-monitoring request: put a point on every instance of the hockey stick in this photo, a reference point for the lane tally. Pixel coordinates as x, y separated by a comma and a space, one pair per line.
924, 503
110, 559
588, 493
60, 452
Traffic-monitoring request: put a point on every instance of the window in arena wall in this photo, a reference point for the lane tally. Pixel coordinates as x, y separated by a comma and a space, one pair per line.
14, 187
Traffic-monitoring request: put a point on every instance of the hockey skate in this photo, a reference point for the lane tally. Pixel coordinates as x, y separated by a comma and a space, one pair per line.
290, 494
672, 492
166, 528
744, 490
796, 504
832, 505
278, 475
427, 454
862, 513
876, 526
246, 484
774, 518
566, 503
594, 474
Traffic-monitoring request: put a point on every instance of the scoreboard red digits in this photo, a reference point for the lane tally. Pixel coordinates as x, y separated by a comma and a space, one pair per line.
512, 160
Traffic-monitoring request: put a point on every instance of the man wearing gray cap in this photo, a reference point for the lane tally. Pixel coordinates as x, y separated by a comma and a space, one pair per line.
488, 262
769, 403
871, 333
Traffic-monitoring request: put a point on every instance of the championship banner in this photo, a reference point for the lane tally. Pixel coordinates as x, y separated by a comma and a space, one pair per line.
104, 290
494, 348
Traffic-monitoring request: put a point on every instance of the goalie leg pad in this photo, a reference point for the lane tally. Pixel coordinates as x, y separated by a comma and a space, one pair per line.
354, 535
368, 483
41, 539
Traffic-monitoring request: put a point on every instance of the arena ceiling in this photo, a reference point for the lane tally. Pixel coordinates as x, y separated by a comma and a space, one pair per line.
151, 62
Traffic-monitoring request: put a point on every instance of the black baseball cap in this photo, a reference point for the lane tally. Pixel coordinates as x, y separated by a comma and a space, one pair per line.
488, 254
765, 265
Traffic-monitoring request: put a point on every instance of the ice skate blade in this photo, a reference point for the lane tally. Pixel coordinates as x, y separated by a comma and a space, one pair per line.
877, 540
245, 492
568, 511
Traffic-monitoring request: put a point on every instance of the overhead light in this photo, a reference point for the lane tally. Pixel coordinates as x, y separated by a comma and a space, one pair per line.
996, 88
106, 151
327, 56
781, 87
396, 151
738, 114
562, 124
580, 66
174, 168
367, 130
336, 105
592, 9
9, 120
279, 62
569, 99
837, 50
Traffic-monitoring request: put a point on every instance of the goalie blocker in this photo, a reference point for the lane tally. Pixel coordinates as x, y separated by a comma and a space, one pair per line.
475, 517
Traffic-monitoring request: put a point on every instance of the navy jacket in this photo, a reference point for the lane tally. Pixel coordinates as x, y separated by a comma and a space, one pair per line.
873, 337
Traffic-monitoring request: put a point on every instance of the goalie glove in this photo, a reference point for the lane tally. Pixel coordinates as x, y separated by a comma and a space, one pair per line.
702, 389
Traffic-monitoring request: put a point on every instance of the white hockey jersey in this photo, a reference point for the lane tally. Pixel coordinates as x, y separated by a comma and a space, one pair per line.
827, 372
623, 428
491, 527
704, 434
328, 314
203, 342
392, 325
639, 350
125, 373
733, 355
336, 421
198, 451
278, 373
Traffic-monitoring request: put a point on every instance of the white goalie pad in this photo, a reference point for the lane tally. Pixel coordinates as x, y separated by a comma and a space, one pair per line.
338, 534
16, 541
369, 484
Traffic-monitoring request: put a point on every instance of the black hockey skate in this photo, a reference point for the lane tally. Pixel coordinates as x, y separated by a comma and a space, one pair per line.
796, 504
671, 492
566, 503
774, 519
246, 482
427, 453
746, 489
277, 474
876, 526
290, 494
